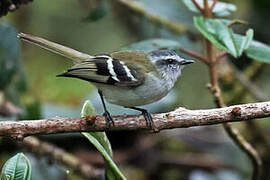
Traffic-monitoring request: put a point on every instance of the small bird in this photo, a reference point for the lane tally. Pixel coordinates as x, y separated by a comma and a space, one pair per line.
131, 78
125, 78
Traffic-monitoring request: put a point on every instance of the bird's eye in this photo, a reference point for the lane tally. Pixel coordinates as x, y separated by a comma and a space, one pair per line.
170, 61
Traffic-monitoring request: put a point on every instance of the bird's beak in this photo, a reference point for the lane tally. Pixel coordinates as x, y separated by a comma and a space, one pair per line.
185, 62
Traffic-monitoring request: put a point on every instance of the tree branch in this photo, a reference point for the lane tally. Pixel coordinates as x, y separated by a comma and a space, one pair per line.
179, 118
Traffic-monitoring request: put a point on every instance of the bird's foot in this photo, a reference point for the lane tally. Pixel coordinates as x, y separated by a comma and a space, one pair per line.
149, 120
109, 120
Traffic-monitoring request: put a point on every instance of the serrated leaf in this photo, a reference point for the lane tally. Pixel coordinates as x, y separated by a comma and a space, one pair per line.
102, 143
221, 9
153, 44
17, 168
218, 33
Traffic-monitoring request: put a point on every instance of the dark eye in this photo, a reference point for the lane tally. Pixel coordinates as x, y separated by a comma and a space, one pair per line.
170, 61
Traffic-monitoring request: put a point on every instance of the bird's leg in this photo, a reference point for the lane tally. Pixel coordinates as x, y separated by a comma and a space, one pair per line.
147, 116
106, 114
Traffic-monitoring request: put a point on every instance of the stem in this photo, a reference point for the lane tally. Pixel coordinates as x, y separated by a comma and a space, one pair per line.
206, 11
221, 55
215, 89
213, 5
194, 54
197, 6
248, 84
247, 148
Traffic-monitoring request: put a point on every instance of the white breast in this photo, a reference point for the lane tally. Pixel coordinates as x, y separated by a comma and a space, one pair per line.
152, 90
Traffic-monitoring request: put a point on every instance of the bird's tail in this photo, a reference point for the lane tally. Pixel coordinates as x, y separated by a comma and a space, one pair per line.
72, 54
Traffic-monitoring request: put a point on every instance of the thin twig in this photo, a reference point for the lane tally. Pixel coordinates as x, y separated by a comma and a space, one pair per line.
197, 6
179, 118
194, 54
250, 86
221, 55
213, 5
247, 148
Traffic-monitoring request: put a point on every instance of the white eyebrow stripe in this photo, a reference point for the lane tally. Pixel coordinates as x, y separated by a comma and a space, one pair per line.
111, 70
167, 57
128, 71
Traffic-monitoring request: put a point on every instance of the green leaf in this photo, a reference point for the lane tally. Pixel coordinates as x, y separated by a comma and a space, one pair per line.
17, 168
153, 44
102, 143
244, 42
259, 51
218, 33
221, 8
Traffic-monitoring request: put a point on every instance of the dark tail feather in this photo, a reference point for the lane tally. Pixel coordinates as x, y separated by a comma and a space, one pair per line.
70, 75
65, 74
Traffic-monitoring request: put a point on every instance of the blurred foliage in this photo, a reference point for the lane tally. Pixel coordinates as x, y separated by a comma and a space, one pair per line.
9, 54
32, 109
153, 44
100, 11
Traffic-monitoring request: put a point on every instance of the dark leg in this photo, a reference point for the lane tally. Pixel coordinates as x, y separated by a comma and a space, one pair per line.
147, 116
109, 120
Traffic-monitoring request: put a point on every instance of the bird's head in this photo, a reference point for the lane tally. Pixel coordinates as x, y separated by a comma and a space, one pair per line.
168, 63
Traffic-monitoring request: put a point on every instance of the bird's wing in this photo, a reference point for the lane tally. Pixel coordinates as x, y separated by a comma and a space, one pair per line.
119, 69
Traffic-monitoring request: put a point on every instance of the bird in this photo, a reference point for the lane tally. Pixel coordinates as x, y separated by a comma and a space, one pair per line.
129, 78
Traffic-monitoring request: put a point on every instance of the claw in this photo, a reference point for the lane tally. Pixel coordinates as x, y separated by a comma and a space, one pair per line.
148, 118
109, 120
